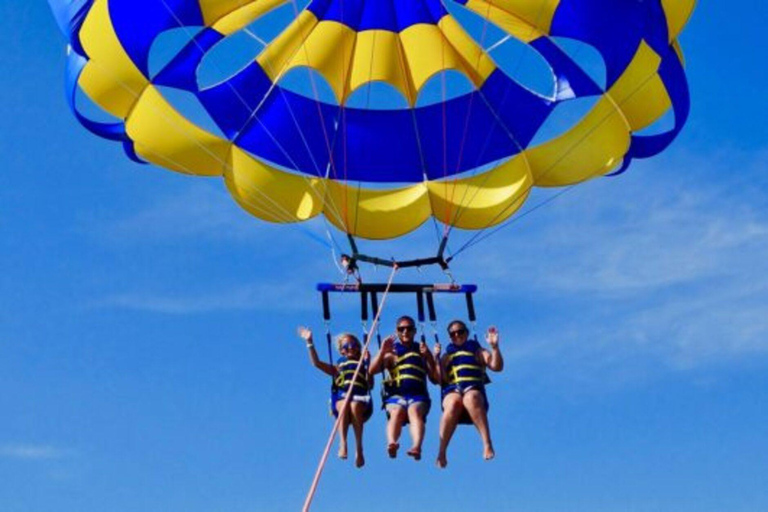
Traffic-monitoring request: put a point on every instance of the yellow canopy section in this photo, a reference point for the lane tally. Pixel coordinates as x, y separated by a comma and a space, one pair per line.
348, 59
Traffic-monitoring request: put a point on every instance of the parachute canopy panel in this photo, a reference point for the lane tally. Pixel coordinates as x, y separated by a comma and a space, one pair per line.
378, 169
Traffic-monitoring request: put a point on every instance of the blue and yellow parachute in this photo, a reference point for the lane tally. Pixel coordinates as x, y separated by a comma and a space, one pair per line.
470, 160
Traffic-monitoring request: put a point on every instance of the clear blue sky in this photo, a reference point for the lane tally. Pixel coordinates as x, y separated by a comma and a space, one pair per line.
148, 361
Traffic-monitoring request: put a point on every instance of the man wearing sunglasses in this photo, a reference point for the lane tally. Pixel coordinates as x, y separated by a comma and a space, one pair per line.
409, 364
462, 373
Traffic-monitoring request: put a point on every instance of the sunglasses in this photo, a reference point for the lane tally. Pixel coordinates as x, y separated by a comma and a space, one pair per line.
457, 332
350, 346
406, 328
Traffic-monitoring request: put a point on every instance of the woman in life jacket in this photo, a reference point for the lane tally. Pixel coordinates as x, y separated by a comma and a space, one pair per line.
462, 372
360, 405
409, 365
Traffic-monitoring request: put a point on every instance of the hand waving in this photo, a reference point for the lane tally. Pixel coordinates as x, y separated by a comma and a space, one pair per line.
305, 334
492, 337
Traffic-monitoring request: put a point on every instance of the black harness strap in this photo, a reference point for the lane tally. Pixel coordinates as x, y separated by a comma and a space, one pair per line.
432, 312
375, 311
420, 313
471, 313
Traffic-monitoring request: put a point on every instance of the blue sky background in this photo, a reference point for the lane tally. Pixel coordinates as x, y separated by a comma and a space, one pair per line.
148, 360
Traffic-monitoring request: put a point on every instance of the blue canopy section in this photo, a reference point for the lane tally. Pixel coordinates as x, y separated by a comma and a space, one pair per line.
299, 132
393, 15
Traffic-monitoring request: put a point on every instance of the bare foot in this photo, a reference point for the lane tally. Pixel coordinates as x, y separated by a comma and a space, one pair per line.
359, 460
392, 450
442, 461
415, 453
488, 453
343, 452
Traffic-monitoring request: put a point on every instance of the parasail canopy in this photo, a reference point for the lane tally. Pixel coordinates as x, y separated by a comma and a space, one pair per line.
379, 169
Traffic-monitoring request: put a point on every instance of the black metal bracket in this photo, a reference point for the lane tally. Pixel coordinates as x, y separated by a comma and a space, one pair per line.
355, 257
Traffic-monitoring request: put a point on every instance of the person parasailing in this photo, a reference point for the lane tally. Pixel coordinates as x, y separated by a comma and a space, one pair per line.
462, 371
406, 397
361, 406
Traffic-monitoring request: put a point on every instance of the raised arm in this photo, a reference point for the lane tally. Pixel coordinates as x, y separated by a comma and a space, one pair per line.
493, 358
324, 367
380, 362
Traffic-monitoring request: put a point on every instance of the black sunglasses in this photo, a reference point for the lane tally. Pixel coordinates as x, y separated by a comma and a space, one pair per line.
457, 332
406, 328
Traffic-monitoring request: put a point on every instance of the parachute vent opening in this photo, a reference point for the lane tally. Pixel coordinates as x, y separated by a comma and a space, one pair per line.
167, 46
190, 107
443, 86
525, 65
310, 83
565, 116
586, 57
377, 96
227, 58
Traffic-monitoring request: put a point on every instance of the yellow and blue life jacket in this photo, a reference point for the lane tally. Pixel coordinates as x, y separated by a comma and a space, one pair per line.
409, 375
463, 368
345, 370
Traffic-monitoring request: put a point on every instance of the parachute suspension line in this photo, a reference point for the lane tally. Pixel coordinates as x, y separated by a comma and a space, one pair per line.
530, 187
256, 109
444, 92
450, 222
422, 160
486, 143
279, 212
367, 106
482, 235
347, 398
326, 198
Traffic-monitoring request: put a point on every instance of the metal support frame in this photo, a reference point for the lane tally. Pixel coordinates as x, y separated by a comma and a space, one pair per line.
439, 259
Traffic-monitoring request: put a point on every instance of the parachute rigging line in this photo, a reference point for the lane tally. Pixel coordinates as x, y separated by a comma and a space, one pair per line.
518, 61
279, 75
279, 211
482, 235
347, 398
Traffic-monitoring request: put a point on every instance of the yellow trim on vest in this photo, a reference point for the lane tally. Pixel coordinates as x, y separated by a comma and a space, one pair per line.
411, 366
460, 353
407, 355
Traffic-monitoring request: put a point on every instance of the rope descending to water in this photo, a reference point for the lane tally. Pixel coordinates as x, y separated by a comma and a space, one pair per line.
345, 405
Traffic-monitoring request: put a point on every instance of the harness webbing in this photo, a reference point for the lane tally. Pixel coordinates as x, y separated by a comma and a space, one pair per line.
347, 398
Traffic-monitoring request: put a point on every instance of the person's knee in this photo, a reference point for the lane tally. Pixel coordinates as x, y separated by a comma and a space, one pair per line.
452, 405
474, 400
416, 413
397, 414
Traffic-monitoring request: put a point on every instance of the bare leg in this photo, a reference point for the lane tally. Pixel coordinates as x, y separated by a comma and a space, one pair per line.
452, 408
474, 402
358, 418
343, 429
397, 417
416, 413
